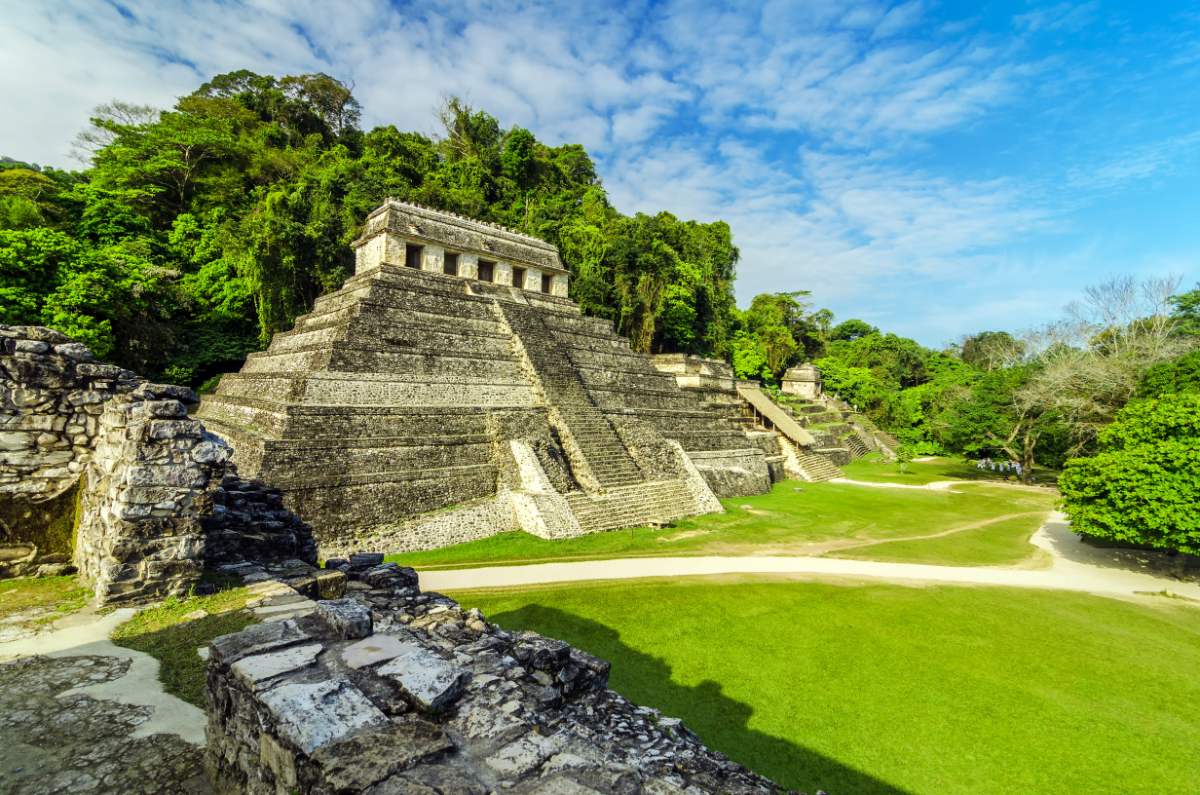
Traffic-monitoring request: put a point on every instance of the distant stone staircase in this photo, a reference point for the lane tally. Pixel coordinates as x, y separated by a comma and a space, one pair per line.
650, 503
817, 467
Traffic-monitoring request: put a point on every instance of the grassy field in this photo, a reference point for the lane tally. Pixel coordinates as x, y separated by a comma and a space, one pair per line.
172, 630
806, 519
873, 468
36, 601
860, 688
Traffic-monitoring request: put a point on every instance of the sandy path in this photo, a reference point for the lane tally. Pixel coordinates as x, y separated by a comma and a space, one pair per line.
86, 633
1074, 567
937, 485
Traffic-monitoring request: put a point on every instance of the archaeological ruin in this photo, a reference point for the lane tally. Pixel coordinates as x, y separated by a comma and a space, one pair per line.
104, 472
451, 390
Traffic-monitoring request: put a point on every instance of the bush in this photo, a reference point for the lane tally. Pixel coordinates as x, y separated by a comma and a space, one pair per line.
1143, 485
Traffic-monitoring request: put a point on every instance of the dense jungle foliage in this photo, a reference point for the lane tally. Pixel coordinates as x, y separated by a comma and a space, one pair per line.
195, 233
199, 231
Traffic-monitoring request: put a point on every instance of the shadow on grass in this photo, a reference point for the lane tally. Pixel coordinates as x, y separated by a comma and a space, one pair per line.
720, 721
175, 628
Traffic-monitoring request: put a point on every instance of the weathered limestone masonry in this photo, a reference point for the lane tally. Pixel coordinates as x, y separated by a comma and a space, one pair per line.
840, 430
803, 381
390, 690
791, 450
147, 487
714, 385
51, 397
450, 390
103, 469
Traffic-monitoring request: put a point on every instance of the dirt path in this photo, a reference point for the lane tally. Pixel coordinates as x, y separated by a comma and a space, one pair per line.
81, 714
1074, 567
936, 485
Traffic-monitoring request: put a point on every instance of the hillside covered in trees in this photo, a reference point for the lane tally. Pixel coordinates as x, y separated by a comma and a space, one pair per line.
195, 233
199, 231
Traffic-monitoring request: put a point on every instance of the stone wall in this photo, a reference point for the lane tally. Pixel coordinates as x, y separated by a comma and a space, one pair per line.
390, 690
106, 470
52, 394
146, 490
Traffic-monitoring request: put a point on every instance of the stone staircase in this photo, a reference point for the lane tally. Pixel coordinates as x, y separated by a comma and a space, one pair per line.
652, 503
597, 443
817, 467
856, 446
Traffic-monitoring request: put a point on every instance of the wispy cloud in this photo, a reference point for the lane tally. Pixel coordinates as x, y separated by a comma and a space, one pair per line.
816, 129
1138, 162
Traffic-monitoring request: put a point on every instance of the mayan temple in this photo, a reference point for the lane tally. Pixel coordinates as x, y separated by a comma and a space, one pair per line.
451, 390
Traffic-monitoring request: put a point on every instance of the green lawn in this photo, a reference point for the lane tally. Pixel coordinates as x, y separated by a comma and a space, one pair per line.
36, 601
872, 467
801, 519
173, 629
999, 543
864, 688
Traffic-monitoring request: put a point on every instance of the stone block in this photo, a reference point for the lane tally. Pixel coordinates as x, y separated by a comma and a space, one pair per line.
432, 683
257, 669
347, 619
375, 649
365, 560
256, 639
74, 350
331, 584
356, 763
313, 715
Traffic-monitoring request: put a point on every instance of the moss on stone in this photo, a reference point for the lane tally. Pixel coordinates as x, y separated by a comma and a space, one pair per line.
49, 524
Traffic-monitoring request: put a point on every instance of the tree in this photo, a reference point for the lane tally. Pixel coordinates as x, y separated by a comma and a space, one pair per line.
202, 229
1172, 377
852, 329
106, 120
1186, 312
989, 418
1143, 484
991, 350
749, 359
1092, 364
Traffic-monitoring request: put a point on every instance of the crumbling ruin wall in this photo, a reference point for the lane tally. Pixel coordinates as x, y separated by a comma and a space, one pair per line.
390, 690
104, 469
52, 394
146, 490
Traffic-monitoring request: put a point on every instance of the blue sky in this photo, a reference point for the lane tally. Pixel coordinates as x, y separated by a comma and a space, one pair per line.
933, 168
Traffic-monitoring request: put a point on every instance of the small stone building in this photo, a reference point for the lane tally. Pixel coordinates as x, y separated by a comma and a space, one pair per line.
803, 381
451, 390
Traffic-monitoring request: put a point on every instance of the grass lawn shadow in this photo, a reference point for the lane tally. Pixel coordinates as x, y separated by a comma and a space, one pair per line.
721, 722
174, 629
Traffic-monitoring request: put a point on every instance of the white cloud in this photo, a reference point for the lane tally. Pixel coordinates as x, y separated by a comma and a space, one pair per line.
789, 120
1134, 163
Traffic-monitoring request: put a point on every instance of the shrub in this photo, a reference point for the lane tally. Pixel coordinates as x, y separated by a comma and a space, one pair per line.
1143, 484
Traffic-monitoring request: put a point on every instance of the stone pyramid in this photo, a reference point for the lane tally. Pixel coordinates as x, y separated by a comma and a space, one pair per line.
450, 390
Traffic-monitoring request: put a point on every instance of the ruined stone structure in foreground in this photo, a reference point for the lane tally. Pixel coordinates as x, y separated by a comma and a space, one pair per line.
104, 472
452, 372
390, 690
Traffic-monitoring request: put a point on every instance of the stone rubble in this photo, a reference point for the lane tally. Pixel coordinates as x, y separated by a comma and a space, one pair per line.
391, 690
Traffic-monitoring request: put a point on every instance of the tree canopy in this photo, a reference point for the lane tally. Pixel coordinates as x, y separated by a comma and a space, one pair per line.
198, 231
1143, 484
